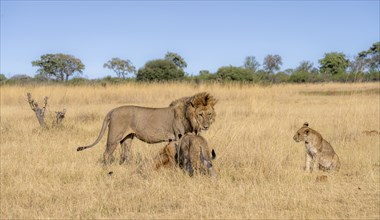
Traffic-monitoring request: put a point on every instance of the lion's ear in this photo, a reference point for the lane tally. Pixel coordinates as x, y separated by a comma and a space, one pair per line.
213, 154
202, 98
306, 124
210, 100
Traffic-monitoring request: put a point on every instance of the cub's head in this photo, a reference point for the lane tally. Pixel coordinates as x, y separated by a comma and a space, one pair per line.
200, 111
302, 133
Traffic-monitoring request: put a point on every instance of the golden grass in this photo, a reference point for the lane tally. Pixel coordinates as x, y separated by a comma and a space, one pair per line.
260, 167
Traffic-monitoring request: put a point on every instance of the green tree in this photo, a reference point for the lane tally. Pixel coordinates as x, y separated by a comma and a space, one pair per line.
306, 66
120, 67
303, 73
272, 63
232, 73
251, 63
159, 70
358, 65
371, 57
59, 66
2, 78
176, 59
334, 64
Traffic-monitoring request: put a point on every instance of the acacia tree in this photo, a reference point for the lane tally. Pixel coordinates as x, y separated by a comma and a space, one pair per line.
272, 63
176, 59
251, 63
59, 66
120, 67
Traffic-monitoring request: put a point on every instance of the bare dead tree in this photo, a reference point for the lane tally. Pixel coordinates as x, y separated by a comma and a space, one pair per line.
40, 112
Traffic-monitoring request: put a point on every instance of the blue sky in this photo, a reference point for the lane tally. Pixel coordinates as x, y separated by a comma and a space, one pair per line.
207, 34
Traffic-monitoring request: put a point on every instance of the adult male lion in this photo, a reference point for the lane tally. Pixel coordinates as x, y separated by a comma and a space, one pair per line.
155, 125
318, 150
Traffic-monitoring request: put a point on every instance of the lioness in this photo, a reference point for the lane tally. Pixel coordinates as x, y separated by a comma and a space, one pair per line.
155, 125
318, 150
195, 154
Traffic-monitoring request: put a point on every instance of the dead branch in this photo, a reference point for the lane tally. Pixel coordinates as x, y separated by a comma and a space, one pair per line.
40, 112
60, 116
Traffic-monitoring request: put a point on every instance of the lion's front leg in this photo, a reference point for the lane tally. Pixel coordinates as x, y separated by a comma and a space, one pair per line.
316, 161
308, 160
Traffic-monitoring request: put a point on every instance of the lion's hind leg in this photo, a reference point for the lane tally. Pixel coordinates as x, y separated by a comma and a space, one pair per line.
126, 144
113, 140
108, 158
335, 164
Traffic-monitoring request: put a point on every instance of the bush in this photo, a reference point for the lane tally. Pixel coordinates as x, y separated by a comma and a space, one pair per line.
280, 77
373, 76
232, 73
300, 77
159, 70
78, 81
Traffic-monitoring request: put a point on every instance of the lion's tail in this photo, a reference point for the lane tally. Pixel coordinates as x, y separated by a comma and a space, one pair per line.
104, 127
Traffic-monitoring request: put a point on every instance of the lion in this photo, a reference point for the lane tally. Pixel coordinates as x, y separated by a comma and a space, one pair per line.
167, 156
195, 155
155, 125
190, 153
318, 150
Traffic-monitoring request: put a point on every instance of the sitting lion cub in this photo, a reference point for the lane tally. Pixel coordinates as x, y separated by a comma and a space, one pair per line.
195, 155
318, 150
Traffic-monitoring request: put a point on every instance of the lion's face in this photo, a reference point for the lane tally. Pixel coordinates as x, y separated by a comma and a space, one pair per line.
205, 116
302, 133
200, 111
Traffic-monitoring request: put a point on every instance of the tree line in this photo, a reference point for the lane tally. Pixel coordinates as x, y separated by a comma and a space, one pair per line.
334, 66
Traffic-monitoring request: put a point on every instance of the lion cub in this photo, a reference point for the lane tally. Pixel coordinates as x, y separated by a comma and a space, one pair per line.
318, 150
195, 155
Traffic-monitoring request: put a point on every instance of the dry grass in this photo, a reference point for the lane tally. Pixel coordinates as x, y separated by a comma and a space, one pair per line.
259, 165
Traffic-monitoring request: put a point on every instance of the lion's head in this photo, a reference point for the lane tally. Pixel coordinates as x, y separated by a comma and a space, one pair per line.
302, 132
198, 110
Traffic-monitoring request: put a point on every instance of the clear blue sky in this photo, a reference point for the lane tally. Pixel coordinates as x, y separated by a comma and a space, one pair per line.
208, 35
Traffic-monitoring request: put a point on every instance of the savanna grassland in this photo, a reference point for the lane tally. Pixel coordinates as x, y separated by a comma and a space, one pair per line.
259, 166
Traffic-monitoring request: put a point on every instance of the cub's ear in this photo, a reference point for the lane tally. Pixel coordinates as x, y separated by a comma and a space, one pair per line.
213, 154
306, 124
307, 131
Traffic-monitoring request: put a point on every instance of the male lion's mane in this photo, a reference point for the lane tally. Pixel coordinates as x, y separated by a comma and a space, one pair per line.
184, 109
